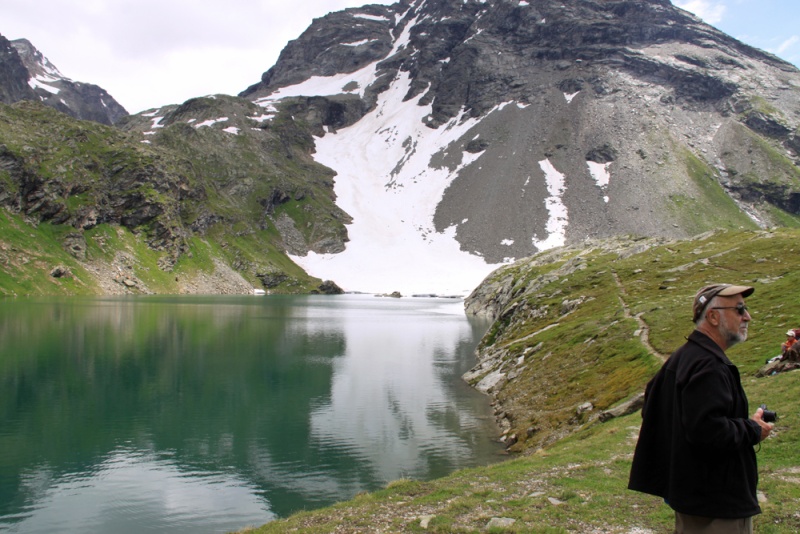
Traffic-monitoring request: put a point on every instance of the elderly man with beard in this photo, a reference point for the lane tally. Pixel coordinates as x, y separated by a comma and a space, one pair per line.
695, 446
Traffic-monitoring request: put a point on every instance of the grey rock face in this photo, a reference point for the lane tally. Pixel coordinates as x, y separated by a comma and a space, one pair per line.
332, 44
25, 74
681, 116
13, 75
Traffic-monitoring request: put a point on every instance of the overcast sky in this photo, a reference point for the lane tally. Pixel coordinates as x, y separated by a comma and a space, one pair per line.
148, 53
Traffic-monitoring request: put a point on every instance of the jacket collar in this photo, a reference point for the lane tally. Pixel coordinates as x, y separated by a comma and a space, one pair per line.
709, 344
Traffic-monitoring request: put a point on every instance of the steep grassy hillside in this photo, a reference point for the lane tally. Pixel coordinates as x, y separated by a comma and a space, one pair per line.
577, 326
256, 164
591, 325
93, 209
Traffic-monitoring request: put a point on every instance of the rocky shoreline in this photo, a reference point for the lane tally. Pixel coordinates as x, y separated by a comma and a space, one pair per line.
506, 296
119, 278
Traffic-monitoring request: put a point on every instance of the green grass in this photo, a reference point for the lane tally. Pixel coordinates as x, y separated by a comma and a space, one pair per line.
691, 209
29, 254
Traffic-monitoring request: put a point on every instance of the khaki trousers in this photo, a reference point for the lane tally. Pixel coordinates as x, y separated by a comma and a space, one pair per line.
692, 524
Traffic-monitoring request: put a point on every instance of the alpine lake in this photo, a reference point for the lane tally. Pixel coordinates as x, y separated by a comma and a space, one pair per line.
215, 413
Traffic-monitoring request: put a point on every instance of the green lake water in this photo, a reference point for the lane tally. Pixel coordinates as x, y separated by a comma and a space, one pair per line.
209, 414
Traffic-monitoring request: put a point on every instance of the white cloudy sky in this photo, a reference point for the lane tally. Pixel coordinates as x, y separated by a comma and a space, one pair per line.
148, 53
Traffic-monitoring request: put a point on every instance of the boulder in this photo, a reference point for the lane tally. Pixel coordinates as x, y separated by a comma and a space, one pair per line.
628, 407
60, 272
329, 287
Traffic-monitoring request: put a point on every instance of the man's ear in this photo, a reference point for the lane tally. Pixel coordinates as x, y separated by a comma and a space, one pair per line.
712, 316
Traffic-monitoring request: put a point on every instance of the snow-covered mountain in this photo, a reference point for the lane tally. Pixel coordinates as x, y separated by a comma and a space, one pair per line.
25, 74
468, 133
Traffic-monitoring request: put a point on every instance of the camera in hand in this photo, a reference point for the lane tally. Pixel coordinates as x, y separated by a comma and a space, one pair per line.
768, 415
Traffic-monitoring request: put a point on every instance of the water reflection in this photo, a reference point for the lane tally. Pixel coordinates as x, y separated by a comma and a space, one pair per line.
389, 402
132, 491
211, 413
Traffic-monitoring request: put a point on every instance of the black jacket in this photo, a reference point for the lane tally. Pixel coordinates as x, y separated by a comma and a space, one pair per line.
695, 447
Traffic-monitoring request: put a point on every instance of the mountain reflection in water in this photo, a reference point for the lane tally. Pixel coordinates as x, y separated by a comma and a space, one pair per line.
208, 414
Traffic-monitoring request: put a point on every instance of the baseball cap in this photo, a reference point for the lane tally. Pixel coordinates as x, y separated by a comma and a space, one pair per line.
704, 296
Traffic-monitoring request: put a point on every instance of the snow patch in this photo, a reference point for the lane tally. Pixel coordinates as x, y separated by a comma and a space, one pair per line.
602, 177
471, 37
370, 17
324, 86
269, 110
264, 117
558, 220
231, 130
507, 242
405, 37
385, 181
39, 82
358, 43
569, 97
156, 124
210, 122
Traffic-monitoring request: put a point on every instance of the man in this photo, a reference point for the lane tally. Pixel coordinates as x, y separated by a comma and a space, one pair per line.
696, 443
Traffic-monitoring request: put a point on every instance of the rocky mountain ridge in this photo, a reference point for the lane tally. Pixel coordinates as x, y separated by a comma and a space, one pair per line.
629, 117
27, 75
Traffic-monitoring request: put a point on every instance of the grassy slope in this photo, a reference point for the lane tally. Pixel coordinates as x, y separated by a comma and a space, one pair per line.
227, 177
28, 255
595, 356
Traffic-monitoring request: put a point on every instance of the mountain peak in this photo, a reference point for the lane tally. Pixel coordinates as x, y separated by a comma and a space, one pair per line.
38, 66
515, 126
23, 65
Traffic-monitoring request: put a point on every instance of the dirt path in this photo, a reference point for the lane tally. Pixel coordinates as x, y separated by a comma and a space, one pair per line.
644, 328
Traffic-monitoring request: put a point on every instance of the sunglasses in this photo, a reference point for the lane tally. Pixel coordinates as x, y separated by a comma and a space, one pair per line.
740, 308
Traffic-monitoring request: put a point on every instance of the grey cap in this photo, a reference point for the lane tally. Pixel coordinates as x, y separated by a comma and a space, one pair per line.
704, 296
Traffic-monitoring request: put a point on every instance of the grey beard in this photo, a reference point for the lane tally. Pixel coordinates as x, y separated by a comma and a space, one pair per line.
735, 337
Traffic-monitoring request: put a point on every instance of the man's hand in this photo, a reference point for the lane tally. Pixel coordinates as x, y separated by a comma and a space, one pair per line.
766, 428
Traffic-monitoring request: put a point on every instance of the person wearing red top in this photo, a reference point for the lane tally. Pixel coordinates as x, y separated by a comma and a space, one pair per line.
790, 340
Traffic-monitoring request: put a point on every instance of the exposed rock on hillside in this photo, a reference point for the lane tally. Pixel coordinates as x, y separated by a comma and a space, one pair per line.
258, 164
65, 180
13, 75
174, 187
